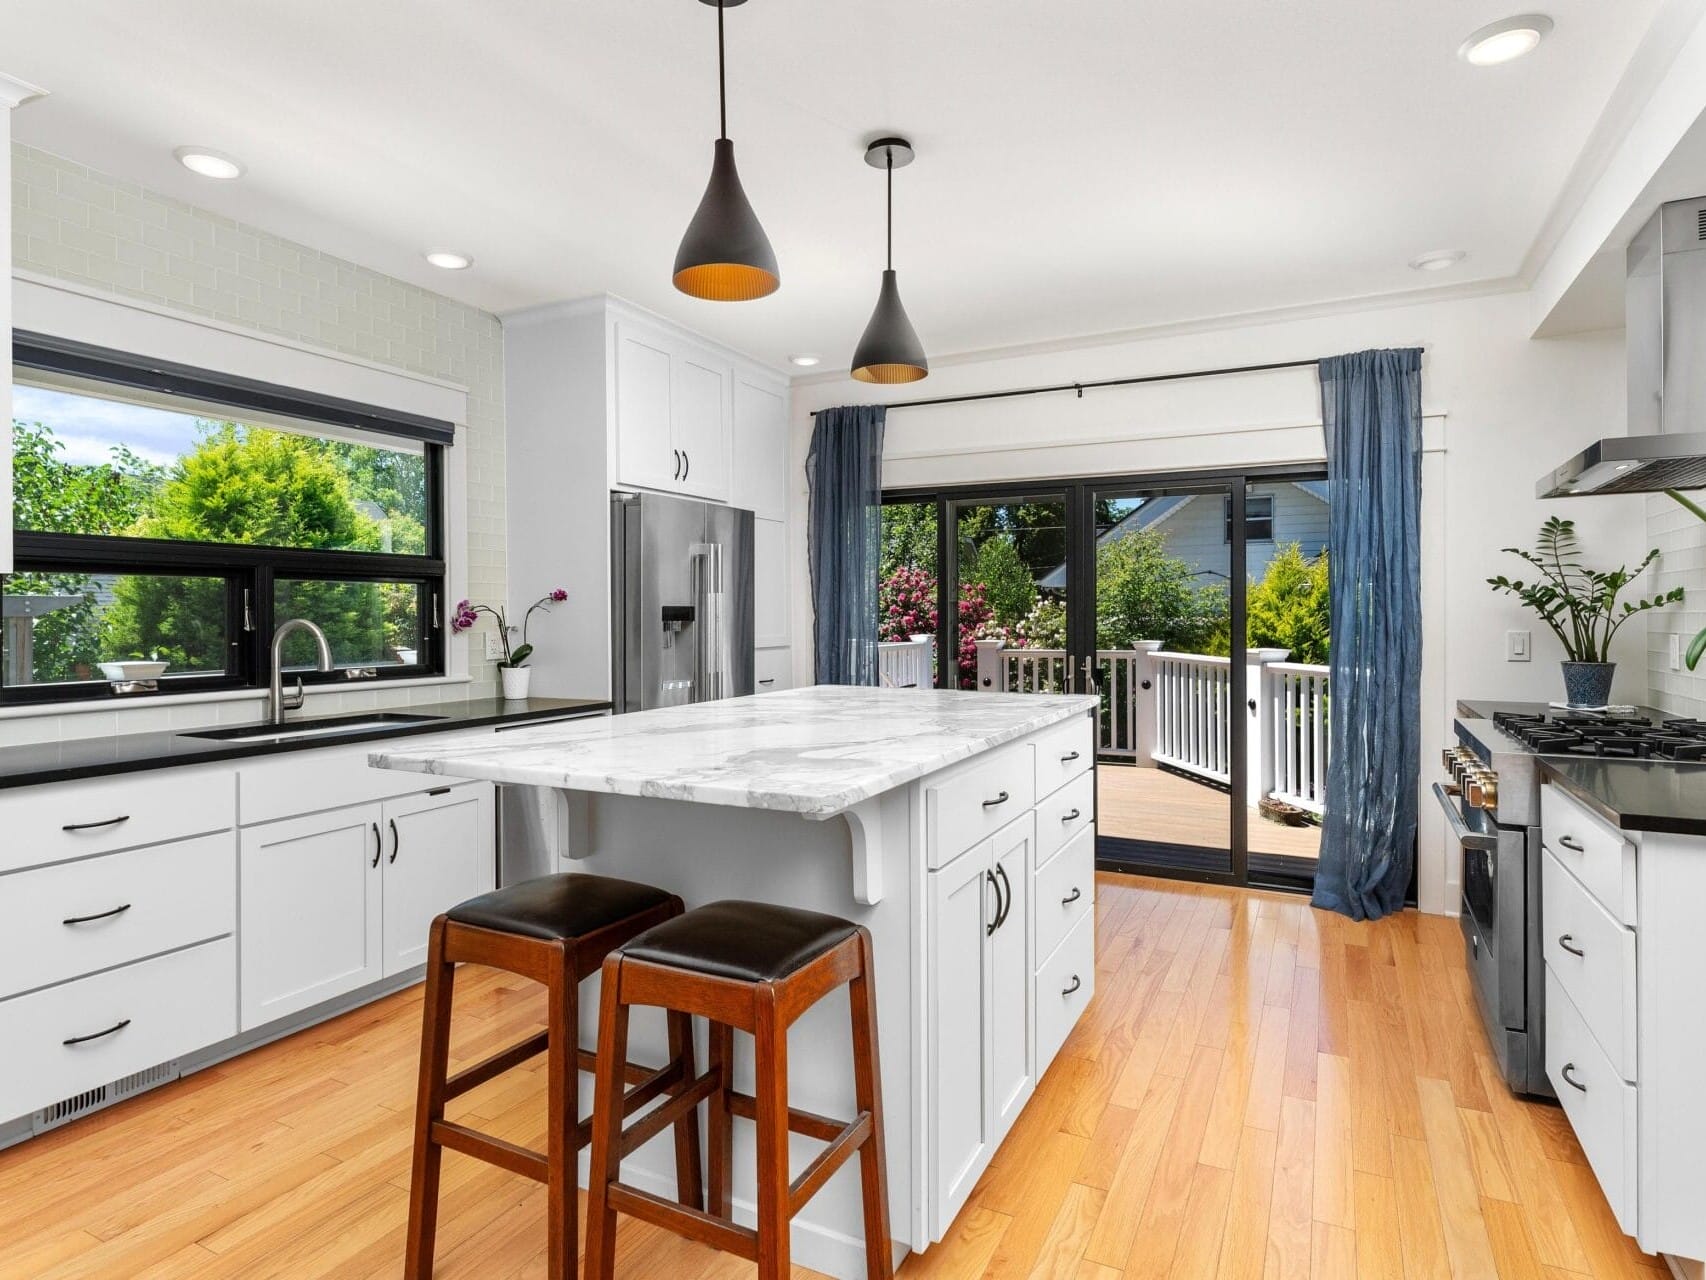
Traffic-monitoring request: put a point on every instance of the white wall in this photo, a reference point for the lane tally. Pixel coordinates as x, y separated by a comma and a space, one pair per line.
105, 236
1501, 409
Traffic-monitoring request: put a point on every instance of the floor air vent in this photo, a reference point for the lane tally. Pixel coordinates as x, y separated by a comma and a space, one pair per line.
81, 1104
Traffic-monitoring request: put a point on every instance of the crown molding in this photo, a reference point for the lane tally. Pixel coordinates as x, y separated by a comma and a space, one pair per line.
15, 92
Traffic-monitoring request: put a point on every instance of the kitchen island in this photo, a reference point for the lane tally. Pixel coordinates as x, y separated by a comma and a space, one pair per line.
958, 827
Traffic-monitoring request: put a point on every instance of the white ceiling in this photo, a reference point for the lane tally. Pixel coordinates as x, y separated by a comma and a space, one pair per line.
1083, 166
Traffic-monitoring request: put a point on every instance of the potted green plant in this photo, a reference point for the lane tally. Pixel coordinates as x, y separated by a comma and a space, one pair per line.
1581, 606
512, 667
1696, 646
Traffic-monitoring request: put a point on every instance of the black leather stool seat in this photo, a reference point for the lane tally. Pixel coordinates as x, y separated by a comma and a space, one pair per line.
745, 941
557, 907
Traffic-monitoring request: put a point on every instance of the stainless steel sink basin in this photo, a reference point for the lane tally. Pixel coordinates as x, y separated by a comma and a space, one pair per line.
323, 728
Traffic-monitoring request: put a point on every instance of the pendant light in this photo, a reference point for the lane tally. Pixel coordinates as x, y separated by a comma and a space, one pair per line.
889, 351
725, 255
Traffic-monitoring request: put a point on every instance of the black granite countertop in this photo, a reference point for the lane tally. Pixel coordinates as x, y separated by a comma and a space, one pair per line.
1637, 795
134, 752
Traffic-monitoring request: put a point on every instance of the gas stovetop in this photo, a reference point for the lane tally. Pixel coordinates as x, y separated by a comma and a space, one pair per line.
1622, 737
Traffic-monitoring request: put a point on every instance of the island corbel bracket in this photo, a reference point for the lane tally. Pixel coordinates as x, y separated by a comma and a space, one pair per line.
865, 825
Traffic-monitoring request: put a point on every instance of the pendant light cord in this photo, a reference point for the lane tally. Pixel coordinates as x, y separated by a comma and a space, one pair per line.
722, 91
888, 152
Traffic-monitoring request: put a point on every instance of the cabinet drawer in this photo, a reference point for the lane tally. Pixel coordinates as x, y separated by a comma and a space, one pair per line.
1593, 958
1062, 816
1063, 753
168, 1006
1065, 983
1598, 854
978, 801
1065, 893
99, 815
1601, 1107
298, 782
125, 906
773, 669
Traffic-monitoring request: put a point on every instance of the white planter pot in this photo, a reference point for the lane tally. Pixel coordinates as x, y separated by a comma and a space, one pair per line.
516, 680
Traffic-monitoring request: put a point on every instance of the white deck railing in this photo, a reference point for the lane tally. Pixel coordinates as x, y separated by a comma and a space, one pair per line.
1175, 709
907, 664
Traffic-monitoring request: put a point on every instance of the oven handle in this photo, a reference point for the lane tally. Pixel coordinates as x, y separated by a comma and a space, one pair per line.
1461, 833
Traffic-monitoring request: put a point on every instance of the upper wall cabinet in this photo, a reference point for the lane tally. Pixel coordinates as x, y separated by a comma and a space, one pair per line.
761, 460
672, 412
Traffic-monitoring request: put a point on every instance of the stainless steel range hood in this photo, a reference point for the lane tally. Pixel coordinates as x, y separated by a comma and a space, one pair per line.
1665, 297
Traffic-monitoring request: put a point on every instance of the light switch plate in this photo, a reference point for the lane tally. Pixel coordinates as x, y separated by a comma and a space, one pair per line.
1519, 646
494, 646
1675, 652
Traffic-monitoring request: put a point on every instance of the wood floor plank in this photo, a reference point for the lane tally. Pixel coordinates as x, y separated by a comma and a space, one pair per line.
1379, 1242
1334, 1153
1454, 1182
1291, 1215
1244, 1247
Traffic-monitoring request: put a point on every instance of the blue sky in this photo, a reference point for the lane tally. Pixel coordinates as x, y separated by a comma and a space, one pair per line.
89, 427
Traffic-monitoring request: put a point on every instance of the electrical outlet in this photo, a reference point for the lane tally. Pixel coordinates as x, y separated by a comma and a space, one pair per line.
1675, 651
1519, 646
494, 646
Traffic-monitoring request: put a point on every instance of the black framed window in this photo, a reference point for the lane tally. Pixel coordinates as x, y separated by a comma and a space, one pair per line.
172, 516
1258, 518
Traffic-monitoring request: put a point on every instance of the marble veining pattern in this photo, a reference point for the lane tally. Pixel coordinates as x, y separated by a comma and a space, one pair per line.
816, 751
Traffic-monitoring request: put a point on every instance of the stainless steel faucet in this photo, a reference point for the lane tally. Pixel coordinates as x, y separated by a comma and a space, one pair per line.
276, 702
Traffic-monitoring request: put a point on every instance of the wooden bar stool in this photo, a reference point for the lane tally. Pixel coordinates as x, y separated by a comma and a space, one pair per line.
755, 967
556, 930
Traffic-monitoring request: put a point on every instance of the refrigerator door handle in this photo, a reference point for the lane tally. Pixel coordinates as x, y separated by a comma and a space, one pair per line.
711, 657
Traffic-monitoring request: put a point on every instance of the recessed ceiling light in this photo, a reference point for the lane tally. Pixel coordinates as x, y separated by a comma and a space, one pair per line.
804, 361
209, 163
1503, 41
1438, 260
449, 260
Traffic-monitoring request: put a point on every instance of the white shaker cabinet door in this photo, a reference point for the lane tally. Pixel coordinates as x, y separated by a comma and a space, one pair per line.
438, 852
646, 456
962, 903
770, 583
1012, 1079
761, 458
701, 424
310, 910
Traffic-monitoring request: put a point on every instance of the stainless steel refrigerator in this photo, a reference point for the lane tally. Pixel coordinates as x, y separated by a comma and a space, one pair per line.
681, 610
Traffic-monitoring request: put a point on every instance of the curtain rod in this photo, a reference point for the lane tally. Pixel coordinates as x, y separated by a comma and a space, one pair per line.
1082, 387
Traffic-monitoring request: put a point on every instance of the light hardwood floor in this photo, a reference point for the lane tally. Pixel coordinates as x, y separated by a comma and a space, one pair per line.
1258, 1090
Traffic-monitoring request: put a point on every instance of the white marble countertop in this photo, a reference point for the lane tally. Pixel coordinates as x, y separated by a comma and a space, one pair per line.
816, 751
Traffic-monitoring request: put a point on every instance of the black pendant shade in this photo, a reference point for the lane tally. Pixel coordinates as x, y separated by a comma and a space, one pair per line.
725, 255
889, 351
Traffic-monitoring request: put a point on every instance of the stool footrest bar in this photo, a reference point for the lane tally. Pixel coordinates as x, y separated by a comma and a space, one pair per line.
475, 1076
653, 1123
506, 1155
831, 1158
718, 1232
808, 1123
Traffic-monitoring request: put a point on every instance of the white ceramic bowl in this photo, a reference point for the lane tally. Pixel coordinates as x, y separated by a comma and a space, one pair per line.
132, 670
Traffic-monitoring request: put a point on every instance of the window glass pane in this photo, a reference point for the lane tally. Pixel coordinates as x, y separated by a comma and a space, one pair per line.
87, 461
906, 596
58, 628
367, 624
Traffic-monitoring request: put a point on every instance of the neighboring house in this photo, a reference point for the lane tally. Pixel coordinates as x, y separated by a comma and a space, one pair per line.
1198, 528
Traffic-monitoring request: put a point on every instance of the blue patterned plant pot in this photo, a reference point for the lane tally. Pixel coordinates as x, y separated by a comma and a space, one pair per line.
1588, 684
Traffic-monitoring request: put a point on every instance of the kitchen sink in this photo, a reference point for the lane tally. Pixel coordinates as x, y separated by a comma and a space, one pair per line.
323, 728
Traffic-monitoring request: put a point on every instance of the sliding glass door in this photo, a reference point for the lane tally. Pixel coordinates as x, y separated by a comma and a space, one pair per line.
1195, 605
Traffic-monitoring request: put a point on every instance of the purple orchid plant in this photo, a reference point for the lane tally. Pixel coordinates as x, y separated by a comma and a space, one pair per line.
466, 615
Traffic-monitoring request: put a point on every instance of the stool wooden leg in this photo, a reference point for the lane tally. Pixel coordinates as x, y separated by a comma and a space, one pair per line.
606, 1124
429, 1107
689, 1175
770, 1050
719, 1129
562, 1094
868, 1092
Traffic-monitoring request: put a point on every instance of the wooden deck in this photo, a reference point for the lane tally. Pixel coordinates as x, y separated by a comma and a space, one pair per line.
1152, 804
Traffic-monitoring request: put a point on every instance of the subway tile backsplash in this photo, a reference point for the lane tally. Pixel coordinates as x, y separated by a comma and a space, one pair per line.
1681, 539
100, 232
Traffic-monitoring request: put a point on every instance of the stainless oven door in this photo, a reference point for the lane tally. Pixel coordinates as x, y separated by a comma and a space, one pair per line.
1495, 910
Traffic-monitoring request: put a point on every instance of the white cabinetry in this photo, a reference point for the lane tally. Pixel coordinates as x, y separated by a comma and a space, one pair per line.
762, 470
672, 408
337, 900
999, 1004
770, 583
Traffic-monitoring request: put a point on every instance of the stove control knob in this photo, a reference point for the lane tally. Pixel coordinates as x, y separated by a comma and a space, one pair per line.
1483, 792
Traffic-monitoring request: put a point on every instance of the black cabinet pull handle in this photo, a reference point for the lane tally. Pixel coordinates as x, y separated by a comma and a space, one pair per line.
439, 791
378, 845
677, 453
1000, 799
1069, 757
96, 826
994, 924
1071, 816
396, 840
1564, 941
686, 464
99, 915
1076, 983
97, 1035
1570, 843
1570, 1079
1007, 887
1072, 897
771, 680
